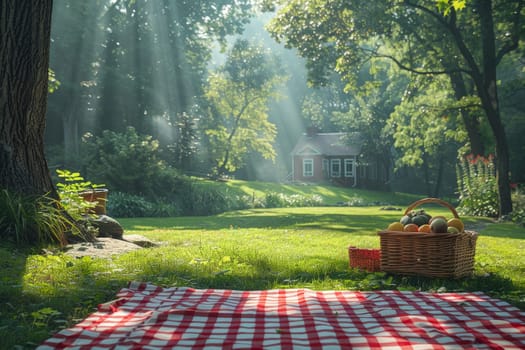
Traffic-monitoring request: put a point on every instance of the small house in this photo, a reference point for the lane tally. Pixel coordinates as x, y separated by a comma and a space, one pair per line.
331, 157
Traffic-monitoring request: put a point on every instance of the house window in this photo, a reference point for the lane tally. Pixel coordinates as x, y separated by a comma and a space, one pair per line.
335, 167
308, 167
349, 168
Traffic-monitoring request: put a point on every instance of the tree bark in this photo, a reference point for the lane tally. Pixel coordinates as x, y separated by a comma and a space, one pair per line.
24, 60
471, 122
488, 92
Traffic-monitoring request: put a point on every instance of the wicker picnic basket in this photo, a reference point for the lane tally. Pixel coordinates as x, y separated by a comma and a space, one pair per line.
443, 255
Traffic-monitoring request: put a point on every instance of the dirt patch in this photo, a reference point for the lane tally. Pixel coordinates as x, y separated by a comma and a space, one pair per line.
108, 247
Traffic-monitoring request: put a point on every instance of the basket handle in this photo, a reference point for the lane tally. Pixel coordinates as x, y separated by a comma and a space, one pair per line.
432, 200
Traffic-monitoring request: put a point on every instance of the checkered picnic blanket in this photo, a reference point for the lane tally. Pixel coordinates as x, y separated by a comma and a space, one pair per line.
150, 317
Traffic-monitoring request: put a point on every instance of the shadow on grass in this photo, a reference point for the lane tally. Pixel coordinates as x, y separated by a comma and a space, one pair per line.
503, 230
91, 282
337, 222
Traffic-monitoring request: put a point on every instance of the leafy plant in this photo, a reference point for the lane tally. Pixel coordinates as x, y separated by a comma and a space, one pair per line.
124, 205
70, 190
27, 219
280, 200
518, 204
477, 186
126, 162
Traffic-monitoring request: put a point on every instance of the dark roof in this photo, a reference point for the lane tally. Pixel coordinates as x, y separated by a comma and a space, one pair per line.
329, 144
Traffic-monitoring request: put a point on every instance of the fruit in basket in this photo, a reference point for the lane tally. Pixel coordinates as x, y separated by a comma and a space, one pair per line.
420, 220
437, 217
395, 226
410, 228
425, 228
457, 223
452, 229
406, 219
439, 225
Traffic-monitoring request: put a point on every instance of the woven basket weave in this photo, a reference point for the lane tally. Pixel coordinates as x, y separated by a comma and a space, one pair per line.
443, 255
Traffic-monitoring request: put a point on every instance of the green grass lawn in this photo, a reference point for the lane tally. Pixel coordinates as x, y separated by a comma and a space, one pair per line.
251, 249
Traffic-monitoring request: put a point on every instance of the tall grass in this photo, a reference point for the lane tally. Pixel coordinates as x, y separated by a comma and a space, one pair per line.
29, 219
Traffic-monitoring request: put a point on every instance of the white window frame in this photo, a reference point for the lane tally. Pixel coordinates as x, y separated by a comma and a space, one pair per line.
334, 162
308, 162
349, 167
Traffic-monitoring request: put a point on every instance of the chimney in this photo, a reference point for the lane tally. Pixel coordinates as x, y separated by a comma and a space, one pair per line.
311, 131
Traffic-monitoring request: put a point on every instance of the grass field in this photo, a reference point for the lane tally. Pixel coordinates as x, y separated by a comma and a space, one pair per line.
251, 249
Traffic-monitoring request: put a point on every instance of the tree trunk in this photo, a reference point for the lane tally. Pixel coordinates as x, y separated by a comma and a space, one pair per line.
471, 122
24, 60
71, 141
488, 92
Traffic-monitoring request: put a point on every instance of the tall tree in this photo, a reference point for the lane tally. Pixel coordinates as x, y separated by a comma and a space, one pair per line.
24, 60
136, 63
418, 37
239, 93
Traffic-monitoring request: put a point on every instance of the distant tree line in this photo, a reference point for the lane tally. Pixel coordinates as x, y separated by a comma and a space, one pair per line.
147, 65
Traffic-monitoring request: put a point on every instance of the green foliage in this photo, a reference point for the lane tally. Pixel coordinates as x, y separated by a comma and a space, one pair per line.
518, 205
126, 162
29, 219
204, 200
280, 200
69, 191
239, 93
477, 186
53, 82
446, 6
169, 62
123, 205
422, 126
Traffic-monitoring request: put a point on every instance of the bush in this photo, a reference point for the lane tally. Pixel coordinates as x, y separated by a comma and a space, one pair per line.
518, 205
280, 200
123, 205
164, 208
126, 162
204, 200
477, 186
29, 219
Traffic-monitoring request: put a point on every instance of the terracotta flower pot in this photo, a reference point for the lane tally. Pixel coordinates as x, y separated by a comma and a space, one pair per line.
99, 195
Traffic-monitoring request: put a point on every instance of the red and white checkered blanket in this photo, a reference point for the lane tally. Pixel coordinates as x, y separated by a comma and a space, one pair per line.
149, 317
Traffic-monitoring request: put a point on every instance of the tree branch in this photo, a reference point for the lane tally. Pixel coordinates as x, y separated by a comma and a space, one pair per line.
513, 45
416, 71
456, 35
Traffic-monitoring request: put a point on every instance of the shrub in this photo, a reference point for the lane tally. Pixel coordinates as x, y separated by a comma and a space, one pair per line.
29, 219
477, 186
164, 208
280, 200
126, 162
203, 200
124, 205
518, 205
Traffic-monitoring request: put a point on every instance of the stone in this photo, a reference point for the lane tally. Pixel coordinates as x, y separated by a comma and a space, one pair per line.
140, 241
108, 227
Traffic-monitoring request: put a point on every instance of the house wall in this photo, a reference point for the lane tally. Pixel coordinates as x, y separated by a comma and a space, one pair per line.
317, 169
321, 173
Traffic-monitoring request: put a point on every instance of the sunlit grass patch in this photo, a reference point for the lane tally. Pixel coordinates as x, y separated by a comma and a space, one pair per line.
246, 250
